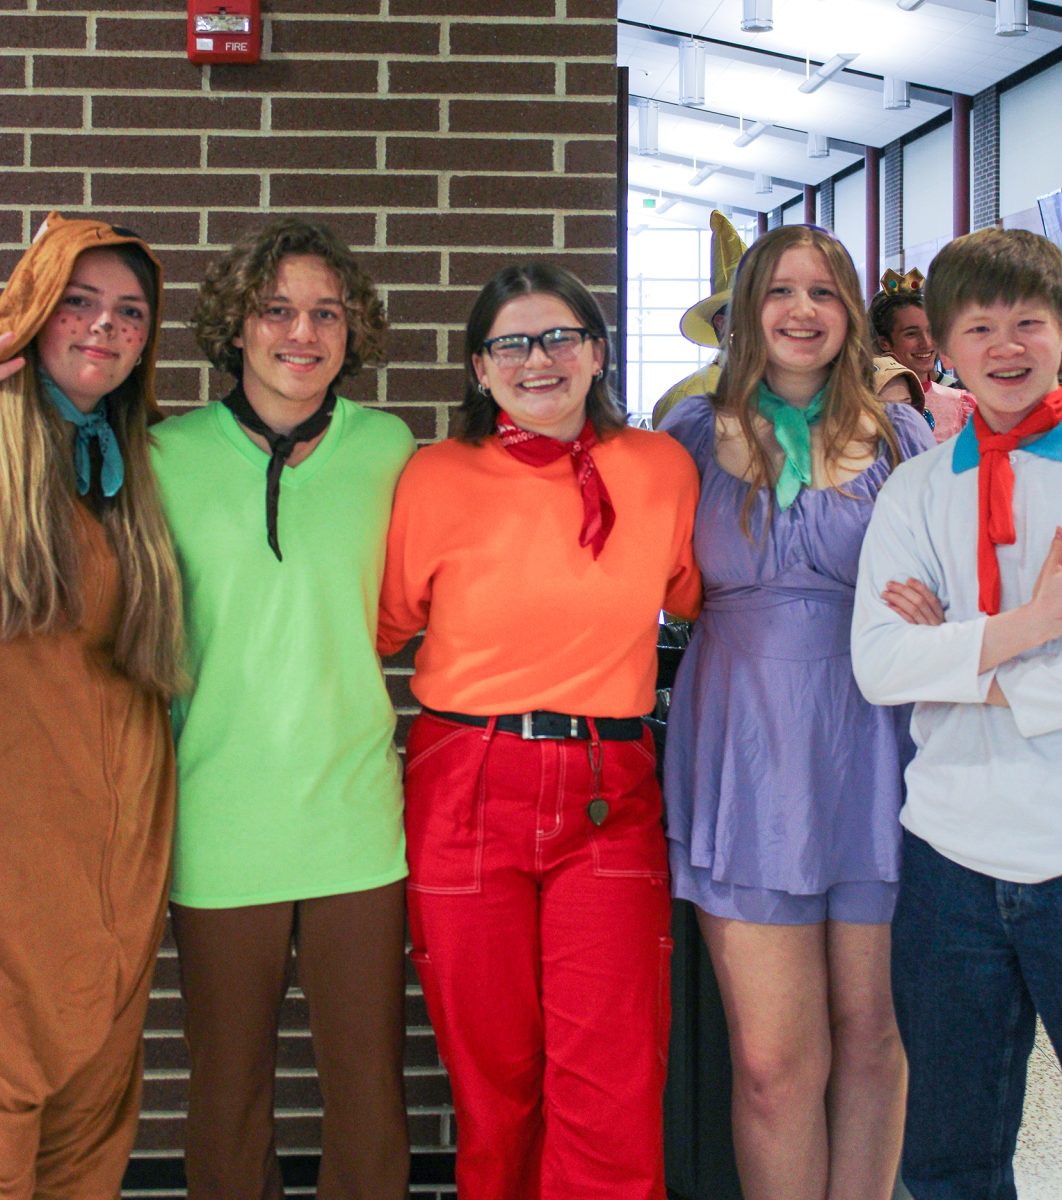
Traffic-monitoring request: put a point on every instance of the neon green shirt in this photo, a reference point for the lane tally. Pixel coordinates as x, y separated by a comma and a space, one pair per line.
288, 783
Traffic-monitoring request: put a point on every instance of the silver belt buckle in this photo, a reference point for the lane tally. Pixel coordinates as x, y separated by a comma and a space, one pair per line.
527, 731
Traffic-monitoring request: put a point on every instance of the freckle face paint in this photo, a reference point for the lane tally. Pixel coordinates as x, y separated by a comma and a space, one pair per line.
90, 343
40, 280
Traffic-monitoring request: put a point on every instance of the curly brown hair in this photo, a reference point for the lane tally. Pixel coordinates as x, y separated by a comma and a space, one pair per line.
235, 286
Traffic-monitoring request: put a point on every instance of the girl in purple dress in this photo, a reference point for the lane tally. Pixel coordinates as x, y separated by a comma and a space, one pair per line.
783, 785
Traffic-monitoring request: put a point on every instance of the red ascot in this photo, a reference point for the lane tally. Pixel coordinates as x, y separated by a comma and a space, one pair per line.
995, 491
538, 450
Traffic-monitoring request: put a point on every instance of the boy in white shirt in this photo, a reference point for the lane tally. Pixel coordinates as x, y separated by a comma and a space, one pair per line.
959, 608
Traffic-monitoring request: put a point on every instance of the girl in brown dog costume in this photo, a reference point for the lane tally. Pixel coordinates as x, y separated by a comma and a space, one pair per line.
89, 653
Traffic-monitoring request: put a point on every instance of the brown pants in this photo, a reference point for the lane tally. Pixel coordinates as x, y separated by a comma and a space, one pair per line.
235, 971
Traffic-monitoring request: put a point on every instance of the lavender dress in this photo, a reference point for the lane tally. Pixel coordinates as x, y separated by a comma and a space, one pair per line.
779, 775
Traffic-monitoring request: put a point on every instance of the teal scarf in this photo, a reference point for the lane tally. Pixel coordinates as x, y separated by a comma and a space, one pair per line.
792, 429
88, 426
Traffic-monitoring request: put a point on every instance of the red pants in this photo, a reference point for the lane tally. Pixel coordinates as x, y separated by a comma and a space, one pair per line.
542, 946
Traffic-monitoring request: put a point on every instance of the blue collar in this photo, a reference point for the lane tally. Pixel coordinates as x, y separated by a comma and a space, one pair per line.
965, 456
86, 427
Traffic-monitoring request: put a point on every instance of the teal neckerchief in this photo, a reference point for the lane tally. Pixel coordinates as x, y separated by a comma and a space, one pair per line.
88, 426
965, 455
791, 428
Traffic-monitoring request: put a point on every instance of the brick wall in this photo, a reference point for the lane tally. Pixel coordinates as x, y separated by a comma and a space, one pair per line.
826, 203
892, 214
443, 138
984, 137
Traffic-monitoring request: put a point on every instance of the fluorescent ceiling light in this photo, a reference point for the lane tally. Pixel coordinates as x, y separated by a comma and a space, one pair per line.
700, 175
691, 73
818, 145
663, 205
909, 5
648, 121
826, 71
751, 132
757, 17
1012, 18
896, 93
762, 185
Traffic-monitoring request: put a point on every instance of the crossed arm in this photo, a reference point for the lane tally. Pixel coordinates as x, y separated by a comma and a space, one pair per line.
1007, 634
903, 648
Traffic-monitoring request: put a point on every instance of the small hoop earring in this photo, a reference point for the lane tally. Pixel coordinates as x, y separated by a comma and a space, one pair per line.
139, 360
599, 375
482, 388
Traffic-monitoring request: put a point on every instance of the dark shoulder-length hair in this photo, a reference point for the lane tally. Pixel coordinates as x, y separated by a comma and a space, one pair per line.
476, 416
882, 314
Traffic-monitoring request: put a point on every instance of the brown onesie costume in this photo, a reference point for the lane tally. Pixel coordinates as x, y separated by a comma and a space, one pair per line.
86, 814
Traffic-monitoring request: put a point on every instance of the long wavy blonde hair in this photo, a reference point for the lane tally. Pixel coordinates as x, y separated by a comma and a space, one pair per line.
849, 394
40, 589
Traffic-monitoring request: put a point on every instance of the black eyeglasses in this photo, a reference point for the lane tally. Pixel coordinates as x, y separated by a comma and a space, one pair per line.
514, 349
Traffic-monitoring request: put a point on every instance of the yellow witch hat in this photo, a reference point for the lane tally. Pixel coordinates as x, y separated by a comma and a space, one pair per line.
727, 249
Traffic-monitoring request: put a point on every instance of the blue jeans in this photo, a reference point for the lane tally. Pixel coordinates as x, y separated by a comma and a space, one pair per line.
974, 959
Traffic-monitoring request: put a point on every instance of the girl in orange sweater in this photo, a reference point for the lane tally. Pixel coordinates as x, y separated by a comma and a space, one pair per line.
537, 547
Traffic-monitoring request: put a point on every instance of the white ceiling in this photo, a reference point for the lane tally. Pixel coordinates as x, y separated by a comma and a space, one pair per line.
940, 47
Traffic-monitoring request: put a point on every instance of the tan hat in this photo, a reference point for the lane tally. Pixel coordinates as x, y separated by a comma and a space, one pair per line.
42, 273
887, 368
727, 249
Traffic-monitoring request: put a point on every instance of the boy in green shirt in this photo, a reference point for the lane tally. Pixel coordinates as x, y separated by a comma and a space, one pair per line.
289, 801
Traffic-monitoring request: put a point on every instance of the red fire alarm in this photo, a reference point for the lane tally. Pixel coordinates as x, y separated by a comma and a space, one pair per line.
229, 33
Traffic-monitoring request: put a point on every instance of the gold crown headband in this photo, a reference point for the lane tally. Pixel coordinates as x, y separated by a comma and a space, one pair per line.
894, 283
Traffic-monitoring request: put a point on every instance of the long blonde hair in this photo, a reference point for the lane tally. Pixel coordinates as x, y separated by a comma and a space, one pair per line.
40, 589
849, 395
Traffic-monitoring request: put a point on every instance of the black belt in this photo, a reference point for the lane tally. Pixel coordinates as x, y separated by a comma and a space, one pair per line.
541, 724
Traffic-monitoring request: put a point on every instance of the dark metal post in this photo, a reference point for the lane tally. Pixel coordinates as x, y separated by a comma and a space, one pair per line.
960, 164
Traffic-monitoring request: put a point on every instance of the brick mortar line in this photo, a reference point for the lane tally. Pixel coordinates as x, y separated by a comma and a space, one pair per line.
298, 56
180, 14
518, 135
270, 172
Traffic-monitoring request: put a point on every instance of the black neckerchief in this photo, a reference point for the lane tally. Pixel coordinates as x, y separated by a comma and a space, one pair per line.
280, 445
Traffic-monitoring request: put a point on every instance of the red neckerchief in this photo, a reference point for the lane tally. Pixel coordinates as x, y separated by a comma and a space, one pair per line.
926, 383
995, 491
537, 449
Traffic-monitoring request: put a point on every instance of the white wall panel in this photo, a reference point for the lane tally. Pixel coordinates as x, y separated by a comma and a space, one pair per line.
1030, 152
927, 189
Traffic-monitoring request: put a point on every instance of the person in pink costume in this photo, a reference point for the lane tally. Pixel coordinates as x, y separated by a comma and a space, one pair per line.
899, 327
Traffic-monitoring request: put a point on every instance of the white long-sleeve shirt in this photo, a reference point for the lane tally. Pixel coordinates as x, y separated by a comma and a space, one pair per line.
985, 788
